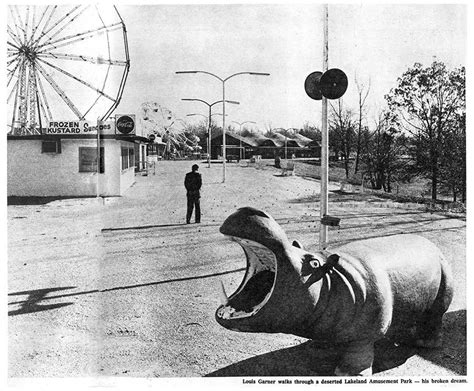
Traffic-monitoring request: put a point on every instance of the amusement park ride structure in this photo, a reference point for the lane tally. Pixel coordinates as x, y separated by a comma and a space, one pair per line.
159, 121
64, 63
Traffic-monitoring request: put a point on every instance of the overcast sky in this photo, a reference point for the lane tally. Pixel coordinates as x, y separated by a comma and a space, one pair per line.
375, 42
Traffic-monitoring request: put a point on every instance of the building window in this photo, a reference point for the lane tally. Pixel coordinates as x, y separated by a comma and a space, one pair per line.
88, 159
131, 157
128, 157
51, 146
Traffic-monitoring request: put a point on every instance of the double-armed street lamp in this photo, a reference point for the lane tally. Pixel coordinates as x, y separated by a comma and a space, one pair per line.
240, 133
223, 80
209, 121
204, 116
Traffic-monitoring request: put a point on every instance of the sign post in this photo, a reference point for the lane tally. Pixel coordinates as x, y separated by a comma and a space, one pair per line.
329, 84
98, 157
323, 230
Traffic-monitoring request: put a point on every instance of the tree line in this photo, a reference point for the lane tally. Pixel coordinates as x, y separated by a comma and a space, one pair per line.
420, 134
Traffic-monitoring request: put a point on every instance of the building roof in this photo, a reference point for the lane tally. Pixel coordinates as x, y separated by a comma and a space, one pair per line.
270, 143
282, 140
302, 140
250, 141
277, 140
313, 144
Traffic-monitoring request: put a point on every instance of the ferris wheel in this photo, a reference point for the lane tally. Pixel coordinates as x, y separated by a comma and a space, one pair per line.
160, 121
64, 63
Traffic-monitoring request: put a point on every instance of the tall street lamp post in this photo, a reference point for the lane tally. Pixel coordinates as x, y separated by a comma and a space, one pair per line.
223, 80
209, 121
240, 133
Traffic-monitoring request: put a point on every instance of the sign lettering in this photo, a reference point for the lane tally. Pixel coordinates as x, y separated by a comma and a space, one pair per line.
75, 127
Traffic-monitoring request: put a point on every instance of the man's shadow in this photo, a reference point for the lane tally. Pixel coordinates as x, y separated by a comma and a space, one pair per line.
307, 359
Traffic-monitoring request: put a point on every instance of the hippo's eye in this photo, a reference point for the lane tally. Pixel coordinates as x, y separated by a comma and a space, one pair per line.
312, 261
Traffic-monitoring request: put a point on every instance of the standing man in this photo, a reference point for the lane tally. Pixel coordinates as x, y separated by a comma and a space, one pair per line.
193, 183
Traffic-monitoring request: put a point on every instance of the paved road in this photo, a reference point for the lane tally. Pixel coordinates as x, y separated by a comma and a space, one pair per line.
122, 287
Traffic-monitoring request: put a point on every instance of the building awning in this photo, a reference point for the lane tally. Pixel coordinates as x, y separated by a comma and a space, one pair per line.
131, 138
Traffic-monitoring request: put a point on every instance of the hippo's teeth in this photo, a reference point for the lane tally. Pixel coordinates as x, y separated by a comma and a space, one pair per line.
223, 295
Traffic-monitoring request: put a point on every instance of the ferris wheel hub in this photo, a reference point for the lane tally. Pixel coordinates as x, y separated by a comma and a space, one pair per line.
28, 52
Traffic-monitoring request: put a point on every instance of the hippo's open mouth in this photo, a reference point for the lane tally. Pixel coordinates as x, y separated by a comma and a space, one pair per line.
258, 283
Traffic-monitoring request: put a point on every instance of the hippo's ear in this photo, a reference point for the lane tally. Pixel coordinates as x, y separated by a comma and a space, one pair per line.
332, 260
297, 244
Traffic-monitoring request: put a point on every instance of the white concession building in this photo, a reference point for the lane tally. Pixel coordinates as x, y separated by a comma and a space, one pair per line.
62, 161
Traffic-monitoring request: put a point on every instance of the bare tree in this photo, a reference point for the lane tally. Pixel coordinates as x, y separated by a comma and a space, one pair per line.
311, 131
341, 129
381, 156
362, 94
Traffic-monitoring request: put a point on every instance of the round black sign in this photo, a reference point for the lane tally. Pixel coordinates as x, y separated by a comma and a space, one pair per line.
311, 85
151, 137
125, 124
333, 83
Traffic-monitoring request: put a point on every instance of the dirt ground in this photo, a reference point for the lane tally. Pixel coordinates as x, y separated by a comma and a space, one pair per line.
122, 287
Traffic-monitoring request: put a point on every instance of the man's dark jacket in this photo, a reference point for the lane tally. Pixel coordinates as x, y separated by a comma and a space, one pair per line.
192, 183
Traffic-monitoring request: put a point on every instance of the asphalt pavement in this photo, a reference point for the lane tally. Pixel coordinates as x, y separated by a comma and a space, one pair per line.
123, 287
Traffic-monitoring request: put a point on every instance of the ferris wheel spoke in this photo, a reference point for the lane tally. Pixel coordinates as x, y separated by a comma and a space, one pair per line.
46, 25
11, 53
12, 56
15, 87
42, 110
15, 105
77, 79
34, 26
11, 44
92, 105
26, 21
12, 73
62, 28
19, 22
16, 58
33, 23
15, 22
43, 96
76, 57
80, 36
39, 23
14, 36
58, 23
59, 91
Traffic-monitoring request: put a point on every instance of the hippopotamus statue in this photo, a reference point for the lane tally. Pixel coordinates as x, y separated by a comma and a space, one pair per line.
348, 297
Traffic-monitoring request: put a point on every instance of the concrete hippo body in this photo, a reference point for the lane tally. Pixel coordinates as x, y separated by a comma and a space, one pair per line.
362, 292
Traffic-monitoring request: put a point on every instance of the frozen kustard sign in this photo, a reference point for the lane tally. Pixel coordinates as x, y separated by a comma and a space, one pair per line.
72, 128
